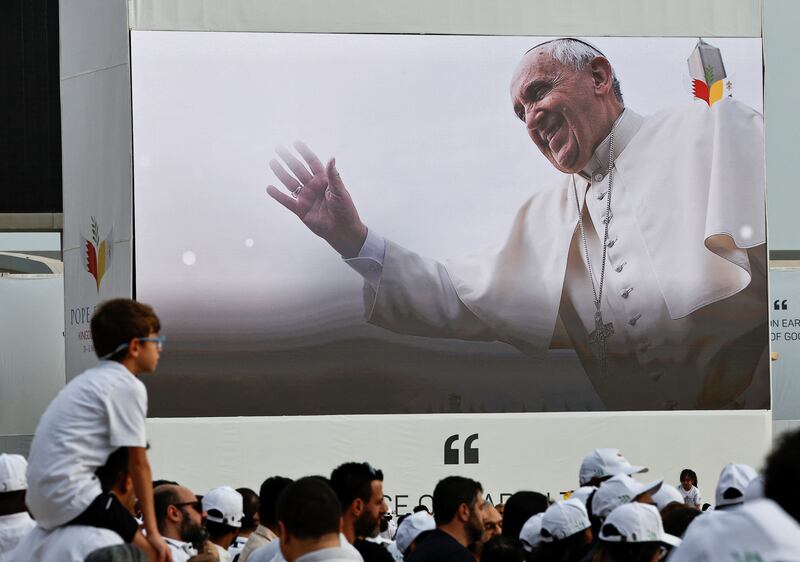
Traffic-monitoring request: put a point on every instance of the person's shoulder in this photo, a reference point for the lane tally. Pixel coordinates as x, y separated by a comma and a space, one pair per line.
696, 112
440, 547
372, 552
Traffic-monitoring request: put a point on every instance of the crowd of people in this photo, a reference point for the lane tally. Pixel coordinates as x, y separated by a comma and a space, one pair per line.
86, 493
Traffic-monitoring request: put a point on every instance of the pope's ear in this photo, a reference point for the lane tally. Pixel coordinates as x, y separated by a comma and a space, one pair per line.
602, 76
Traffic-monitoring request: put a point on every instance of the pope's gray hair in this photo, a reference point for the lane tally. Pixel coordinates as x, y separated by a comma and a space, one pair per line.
577, 54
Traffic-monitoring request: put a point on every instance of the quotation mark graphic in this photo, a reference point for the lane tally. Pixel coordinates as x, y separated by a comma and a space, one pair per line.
470, 452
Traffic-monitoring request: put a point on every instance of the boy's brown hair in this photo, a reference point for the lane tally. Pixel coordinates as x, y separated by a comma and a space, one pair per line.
118, 321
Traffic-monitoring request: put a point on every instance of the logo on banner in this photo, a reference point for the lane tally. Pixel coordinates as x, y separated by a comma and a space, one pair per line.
451, 452
97, 253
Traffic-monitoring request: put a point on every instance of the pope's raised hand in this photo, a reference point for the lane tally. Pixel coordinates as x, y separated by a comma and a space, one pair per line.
319, 198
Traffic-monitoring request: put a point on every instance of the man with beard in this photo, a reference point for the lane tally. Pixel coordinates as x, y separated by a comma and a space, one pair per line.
179, 516
458, 511
359, 487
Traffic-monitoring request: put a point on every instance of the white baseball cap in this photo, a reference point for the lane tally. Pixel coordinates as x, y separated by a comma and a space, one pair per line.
619, 490
601, 463
732, 484
583, 493
224, 505
755, 489
564, 519
667, 495
411, 527
531, 533
12, 473
636, 523
758, 530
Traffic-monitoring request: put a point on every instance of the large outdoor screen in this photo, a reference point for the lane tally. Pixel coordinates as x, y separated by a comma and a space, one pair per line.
471, 197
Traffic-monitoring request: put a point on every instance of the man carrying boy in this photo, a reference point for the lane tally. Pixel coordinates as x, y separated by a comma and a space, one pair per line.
95, 414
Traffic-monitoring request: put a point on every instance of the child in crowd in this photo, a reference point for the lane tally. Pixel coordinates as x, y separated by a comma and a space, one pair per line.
95, 414
688, 488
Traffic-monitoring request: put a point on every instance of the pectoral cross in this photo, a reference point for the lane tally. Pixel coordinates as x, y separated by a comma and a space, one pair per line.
597, 339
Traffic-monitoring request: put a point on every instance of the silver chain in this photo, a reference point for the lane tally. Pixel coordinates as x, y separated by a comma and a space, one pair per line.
598, 292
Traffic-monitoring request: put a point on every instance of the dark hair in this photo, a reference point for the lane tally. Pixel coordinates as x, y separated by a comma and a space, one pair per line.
421, 507
118, 321
677, 520
691, 474
353, 480
309, 508
249, 508
519, 508
115, 467
162, 499
502, 549
450, 493
573, 547
625, 552
216, 529
161, 482
780, 474
268, 494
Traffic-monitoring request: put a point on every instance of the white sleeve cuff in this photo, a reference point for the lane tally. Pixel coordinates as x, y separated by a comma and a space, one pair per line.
369, 261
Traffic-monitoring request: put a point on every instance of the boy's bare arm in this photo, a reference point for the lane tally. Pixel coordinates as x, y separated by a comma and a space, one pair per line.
142, 476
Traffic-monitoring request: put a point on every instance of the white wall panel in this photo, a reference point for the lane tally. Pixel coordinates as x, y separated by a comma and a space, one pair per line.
516, 451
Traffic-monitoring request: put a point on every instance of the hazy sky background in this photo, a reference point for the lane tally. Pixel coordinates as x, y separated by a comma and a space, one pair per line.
422, 130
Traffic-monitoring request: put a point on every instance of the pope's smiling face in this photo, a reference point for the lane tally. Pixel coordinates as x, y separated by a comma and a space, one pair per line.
561, 107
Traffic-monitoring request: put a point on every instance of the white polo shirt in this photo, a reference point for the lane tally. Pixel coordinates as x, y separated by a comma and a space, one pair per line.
99, 411
13, 529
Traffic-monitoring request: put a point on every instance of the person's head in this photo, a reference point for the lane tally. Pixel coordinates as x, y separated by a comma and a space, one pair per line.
531, 534
114, 477
666, 497
308, 513
622, 489
411, 530
458, 503
601, 464
250, 508
268, 494
566, 93
179, 514
502, 549
733, 482
633, 532
492, 522
519, 508
688, 479
13, 483
677, 519
123, 330
359, 487
224, 513
566, 533
781, 483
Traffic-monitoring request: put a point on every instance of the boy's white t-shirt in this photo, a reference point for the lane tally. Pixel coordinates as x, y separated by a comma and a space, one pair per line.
691, 496
99, 411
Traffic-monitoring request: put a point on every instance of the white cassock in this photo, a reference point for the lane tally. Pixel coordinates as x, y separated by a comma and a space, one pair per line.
685, 281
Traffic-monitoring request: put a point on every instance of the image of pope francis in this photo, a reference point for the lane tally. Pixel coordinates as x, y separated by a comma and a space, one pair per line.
648, 257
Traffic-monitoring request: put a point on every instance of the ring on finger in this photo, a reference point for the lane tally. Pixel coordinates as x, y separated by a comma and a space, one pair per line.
296, 192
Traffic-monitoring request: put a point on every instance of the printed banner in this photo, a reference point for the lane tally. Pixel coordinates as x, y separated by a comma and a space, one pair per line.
578, 226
